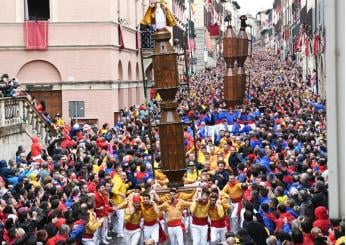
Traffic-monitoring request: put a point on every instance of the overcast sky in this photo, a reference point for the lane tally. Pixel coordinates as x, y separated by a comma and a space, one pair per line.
253, 6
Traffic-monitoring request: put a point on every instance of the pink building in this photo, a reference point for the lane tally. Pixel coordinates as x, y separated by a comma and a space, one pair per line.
91, 65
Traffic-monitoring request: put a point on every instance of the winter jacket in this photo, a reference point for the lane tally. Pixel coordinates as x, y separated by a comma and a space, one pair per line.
221, 182
102, 206
5, 172
307, 209
268, 223
322, 221
78, 230
257, 232
36, 148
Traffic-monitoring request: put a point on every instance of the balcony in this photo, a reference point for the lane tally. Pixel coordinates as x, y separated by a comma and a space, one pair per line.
147, 41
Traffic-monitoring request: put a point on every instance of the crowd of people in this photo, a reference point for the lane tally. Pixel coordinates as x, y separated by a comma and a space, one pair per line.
9, 87
259, 172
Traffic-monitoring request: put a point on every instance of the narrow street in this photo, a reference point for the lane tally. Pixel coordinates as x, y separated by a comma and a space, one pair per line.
166, 122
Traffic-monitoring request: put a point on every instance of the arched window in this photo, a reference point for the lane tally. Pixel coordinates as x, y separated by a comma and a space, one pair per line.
38, 71
120, 70
129, 72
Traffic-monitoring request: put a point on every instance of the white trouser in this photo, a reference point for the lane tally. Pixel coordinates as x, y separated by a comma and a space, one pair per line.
103, 230
199, 234
118, 226
151, 232
187, 222
88, 241
217, 234
234, 217
96, 237
132, 236
94, 240
176, 236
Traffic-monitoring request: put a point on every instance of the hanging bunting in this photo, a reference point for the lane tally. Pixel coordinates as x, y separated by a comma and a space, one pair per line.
121, 37
316, 44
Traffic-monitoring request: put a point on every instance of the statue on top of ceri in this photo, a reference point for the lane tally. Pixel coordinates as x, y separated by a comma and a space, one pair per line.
158, 14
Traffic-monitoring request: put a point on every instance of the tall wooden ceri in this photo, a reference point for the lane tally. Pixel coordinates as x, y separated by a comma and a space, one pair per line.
243, 46
235, 52
170, 127
230, 47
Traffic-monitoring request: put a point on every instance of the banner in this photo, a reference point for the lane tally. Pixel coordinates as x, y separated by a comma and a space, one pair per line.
36, 35
121, 37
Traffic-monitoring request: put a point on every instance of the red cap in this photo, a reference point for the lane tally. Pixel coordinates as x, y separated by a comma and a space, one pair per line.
136, 199
252, 156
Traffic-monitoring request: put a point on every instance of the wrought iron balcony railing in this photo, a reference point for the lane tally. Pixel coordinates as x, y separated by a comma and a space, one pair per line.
147, 40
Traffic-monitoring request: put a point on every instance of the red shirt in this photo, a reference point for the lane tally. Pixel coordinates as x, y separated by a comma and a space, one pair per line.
91, 187
102, 200
55, 239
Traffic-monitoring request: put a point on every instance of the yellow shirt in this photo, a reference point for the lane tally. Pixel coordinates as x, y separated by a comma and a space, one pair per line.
223, 141
216, 213
213, 162
92, 224
226, 157
148, 213
224, 200
234, 192
282, 199
174, 211
199, 210
134, 218
119, 186
96, 168
200, 157
191, 177
160, 177
341, 240
60, 122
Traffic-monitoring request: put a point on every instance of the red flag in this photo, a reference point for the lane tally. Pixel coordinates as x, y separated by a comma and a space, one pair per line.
316, 44
121, 37
162, 235
298, 44
36, 35
214, 30
307, 47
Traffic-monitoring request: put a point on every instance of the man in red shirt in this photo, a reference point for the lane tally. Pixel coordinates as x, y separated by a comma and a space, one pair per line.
103, 209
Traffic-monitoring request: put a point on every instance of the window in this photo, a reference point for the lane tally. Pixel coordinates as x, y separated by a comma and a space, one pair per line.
36, 9
76, 109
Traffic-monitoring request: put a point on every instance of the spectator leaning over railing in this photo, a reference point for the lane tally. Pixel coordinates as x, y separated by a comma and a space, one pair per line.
8, 88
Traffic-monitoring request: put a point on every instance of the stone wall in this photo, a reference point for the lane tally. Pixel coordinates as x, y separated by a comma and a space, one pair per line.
10, 138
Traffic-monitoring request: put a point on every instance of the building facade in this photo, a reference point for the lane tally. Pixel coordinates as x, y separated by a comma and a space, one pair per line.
299, 27
90, 67
209, 28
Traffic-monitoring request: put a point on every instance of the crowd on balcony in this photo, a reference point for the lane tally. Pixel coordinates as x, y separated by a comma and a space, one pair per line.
9, 87
261, 172
12, 88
